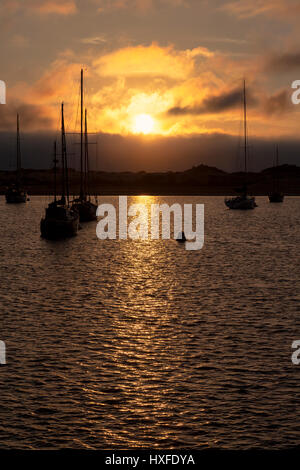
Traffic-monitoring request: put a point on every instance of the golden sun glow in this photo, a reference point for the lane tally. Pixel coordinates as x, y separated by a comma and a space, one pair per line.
143, 124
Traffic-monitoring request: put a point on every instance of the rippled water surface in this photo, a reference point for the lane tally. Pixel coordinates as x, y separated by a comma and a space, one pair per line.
121, 344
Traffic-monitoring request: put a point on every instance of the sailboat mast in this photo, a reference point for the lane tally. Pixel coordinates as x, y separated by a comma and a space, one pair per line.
245, 128
18, 151
86, 154
55, 172
63, 189
81, 135
65, 181
277, 163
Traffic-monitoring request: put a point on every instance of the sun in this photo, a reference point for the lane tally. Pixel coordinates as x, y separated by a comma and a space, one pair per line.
143, 124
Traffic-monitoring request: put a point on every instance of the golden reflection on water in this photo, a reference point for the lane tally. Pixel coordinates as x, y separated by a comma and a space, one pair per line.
145, 349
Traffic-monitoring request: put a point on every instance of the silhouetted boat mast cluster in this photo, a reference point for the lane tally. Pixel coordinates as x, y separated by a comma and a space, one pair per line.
85, 207
62, 217
60, 220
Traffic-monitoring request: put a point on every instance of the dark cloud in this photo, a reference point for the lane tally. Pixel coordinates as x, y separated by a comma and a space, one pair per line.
283, 62
133, 153
279, 103
215, 104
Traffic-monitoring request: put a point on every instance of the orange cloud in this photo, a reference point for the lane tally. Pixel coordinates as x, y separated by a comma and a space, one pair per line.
39, 102
140, 5
57, 84
66, 7
201, 89
150, 61
43, 7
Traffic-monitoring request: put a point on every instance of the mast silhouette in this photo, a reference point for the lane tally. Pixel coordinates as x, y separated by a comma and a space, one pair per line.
81, 137
18, 152
84, 206
244, 201
15, 194
65, 178
245, 129
276, 195
86, 156
55, 172
277, 163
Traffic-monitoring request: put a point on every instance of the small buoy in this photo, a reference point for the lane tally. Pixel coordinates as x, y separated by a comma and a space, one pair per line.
181, 238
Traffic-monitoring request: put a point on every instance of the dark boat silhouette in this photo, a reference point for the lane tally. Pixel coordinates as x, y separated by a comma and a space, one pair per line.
83, 205
15, 194
276, 195
60, 221
244, 201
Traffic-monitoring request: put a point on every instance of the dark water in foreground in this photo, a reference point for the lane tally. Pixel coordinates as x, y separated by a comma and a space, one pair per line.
121, 344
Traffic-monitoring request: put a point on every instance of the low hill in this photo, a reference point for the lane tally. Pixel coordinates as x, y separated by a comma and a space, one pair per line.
199, 180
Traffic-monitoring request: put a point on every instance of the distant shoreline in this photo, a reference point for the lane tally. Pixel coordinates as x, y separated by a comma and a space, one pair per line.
175, 194
202, 180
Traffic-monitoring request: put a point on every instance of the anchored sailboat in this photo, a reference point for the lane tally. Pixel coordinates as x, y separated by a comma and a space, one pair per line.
60, 221
244, 201
15, 193
83, 205
276, 195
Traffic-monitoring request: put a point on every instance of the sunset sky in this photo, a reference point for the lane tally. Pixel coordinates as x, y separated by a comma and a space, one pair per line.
177, 63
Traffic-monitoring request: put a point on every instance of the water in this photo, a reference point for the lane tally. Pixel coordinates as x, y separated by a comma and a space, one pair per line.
124, 344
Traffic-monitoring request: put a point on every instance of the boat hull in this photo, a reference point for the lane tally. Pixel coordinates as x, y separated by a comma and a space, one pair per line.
241, 203
53, 229
16, 197
59, 222
276, 197
87, 211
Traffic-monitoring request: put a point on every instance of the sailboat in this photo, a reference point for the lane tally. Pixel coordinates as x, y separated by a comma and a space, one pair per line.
276, 195
83, 205
15, 194
60, 221
243, 201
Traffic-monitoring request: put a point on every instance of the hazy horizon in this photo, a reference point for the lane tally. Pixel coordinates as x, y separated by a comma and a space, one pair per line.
134, 153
